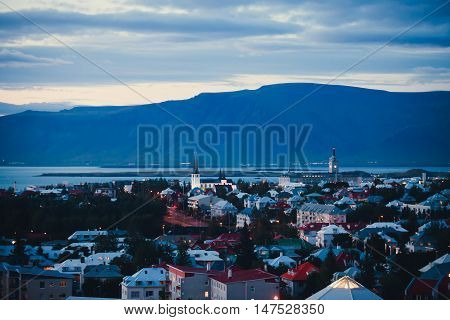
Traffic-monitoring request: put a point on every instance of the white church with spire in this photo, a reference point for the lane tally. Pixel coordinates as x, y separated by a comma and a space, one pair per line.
211, 184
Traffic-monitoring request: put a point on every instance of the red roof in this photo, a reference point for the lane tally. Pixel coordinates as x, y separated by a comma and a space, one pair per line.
228, 237
187, 269
421, 287
300, 273
244, 275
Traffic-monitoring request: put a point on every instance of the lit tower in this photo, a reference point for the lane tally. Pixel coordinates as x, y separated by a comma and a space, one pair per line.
195, 176
333, 165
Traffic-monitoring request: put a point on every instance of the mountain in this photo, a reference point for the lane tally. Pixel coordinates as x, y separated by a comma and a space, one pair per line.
8, 108
364, 125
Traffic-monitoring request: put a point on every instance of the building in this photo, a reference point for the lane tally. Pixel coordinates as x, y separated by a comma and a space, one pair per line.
202, 202
206, 259
244, 285
344, 289
244, 217
146, 284
319, 213
86, 236
333, 165
326, 235
281, 261
33, 283
102, 281
433, 282
188, 283
197, 182
250, 201
222, 208
295, 278
105, 192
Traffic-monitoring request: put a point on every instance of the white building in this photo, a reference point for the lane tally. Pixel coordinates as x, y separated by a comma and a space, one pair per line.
264, 202
222, 208
319, 213
146, 284
244, 285
326, 235
200, 201
86, 236
204, 257
250, 201
333, 165
244, 217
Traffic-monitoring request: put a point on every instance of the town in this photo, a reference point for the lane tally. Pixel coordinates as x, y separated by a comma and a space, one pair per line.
311, 235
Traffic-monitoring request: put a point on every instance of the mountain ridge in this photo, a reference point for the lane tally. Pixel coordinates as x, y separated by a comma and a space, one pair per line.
363, 124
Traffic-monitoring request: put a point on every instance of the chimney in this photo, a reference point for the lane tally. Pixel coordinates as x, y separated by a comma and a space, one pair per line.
230, 273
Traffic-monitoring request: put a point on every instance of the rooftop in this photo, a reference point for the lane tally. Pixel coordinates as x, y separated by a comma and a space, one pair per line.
345, 289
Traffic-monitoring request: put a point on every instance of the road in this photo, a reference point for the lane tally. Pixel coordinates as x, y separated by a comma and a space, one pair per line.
177, 217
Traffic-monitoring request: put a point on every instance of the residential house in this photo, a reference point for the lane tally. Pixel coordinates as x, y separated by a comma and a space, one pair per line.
33, 283
326, 235
295, 278
281, 261
146, 284
433, 282
188, 283
310, 213
244, 285
102, 281
223, 208
244, 217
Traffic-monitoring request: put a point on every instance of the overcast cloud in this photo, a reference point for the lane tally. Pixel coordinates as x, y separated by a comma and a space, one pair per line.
182, 47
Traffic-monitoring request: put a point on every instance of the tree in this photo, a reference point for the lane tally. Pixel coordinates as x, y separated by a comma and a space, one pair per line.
245, 254
126, 265
329, 265
105, 244
367, 272
392, 287
314, 283
182, 258
19, 256
343, 240
262, 232
375, 247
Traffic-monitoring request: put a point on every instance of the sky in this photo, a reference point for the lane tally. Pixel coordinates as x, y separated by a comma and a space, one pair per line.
175, 49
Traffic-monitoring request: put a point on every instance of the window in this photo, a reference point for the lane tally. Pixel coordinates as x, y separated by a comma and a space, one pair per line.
42, 284
149, 293
63, 283
135, 295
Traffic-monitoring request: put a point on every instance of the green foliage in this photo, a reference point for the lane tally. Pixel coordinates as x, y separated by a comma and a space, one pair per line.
59, 219
126, 265
344, 240
106, 243
182, 258
262, 231
245, 254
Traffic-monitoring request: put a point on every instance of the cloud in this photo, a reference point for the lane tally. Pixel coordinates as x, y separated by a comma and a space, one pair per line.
15, 58
209, 42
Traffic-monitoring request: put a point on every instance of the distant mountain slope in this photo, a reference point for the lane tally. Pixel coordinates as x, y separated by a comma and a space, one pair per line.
7, 108
364, 125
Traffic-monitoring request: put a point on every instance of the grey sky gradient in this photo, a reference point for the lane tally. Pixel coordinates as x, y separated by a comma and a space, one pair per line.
177, 48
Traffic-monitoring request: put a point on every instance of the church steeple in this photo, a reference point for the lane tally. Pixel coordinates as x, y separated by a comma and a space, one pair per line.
195, 176
195, 169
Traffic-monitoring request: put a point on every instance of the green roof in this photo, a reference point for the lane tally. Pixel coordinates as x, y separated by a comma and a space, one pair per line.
294, 242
